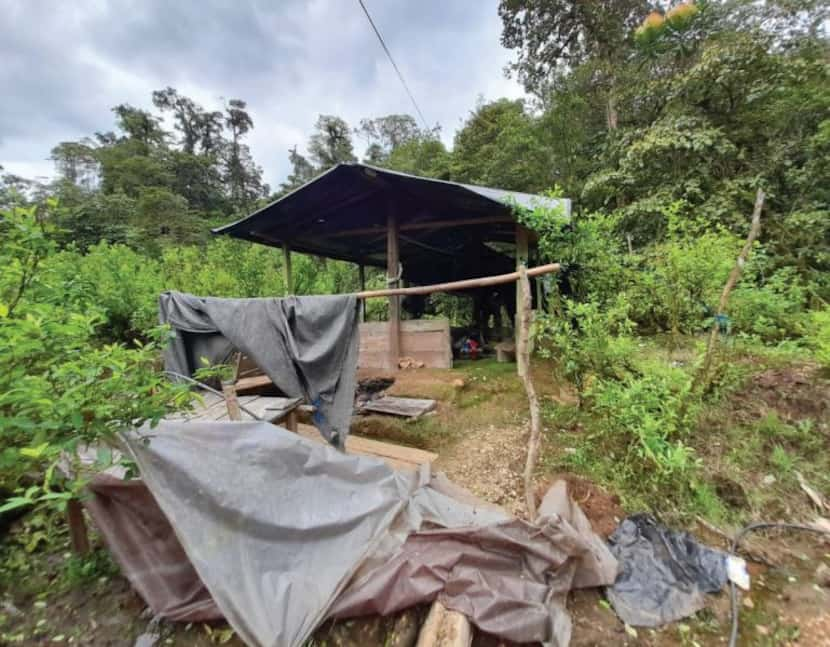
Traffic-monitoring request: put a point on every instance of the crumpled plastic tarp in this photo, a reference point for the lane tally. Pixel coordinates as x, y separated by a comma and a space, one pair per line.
664, 575
283, 532
307, 345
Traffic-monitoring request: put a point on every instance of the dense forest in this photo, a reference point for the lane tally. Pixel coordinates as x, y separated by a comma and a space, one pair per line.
659, 124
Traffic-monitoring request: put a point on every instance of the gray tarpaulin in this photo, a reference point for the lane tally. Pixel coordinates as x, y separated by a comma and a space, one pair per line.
283, 532
308, 346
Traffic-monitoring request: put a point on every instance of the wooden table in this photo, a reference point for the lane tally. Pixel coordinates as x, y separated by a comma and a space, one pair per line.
270, 408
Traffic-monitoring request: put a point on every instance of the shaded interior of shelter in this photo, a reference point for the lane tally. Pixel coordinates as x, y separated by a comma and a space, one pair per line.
445, 231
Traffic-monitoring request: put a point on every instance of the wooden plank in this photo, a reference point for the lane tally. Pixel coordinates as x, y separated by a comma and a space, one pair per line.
397, 456
424, 340
445, 628
245, 384
404, 407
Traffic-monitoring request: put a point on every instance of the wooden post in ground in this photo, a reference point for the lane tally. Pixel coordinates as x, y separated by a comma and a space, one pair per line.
702, 378
521, 261
361, 275
231, 401
392, 280
286, 261
445, 628
523, 360
78, 536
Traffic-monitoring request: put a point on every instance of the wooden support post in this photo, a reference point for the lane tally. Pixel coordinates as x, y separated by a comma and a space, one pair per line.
286, 260
291, 422
361, 275
521, 262
78, 536
392, 279
445, 628
231, 402
523, 361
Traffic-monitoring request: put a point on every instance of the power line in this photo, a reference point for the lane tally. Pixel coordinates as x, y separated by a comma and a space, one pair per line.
392, 60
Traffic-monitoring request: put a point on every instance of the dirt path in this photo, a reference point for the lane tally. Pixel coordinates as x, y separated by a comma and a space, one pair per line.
489, 463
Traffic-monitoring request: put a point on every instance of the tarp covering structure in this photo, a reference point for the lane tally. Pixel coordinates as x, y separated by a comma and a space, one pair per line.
282, 533
448, 231
307, 345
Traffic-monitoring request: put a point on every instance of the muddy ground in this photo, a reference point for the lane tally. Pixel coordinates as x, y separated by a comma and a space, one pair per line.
479, 431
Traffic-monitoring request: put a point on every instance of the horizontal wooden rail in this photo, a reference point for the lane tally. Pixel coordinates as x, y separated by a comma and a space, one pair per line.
483, 282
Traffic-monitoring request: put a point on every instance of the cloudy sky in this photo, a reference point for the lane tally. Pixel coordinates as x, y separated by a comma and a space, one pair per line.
63, 65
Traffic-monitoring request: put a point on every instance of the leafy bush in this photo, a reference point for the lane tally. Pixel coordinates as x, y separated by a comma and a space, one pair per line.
588, 341
653, 410
771, 311
60, 386
819, 336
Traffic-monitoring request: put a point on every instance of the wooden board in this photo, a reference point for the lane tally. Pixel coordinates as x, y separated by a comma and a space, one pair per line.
404, 407
396, 456
425, 340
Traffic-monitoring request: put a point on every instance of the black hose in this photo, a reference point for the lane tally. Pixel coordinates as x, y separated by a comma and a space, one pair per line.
733, 592
212, 390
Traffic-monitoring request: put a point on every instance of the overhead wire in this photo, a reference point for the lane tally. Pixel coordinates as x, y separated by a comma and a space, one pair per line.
394, 65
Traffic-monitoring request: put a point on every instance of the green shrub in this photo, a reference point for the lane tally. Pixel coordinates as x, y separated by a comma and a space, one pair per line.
588, 341
653, 411
818, 336
771, 311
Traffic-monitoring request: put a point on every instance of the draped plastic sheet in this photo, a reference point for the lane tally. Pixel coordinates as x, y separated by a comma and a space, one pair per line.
284, 533
308, 345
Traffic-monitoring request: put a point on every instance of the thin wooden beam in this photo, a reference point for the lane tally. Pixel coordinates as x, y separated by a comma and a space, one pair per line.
289, 280
361, 275
522, 245
78, 536
426, 224
454, 286
392, 271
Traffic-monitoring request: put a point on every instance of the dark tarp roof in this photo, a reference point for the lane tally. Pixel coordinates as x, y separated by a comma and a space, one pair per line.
342, 214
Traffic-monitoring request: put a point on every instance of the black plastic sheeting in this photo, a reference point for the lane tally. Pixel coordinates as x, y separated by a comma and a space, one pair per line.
663, 575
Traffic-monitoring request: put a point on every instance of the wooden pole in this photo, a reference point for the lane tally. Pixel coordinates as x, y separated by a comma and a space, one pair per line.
392, 279
289, 280
466, 284
231, 401
521, 262
523, 361
361, 275
702, 377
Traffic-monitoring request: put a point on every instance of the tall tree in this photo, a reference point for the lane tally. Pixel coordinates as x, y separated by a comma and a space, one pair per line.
302, 171
242, 175
384, 134
331, 142
552, 35
186, 113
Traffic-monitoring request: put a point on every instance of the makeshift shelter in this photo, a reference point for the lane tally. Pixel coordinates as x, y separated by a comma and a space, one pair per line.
421, 230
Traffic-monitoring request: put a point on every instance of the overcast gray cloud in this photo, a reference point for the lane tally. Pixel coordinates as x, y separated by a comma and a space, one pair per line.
63, 65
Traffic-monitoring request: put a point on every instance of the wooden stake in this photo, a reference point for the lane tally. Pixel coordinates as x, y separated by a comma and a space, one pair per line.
523, 361
702, 377
392, 271
231, 401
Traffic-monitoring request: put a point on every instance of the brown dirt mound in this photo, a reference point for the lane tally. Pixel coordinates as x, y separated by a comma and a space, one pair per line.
602, 508
795, 393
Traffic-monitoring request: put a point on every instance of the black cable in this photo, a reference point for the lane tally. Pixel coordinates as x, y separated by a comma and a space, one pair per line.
392, 60
733, 592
